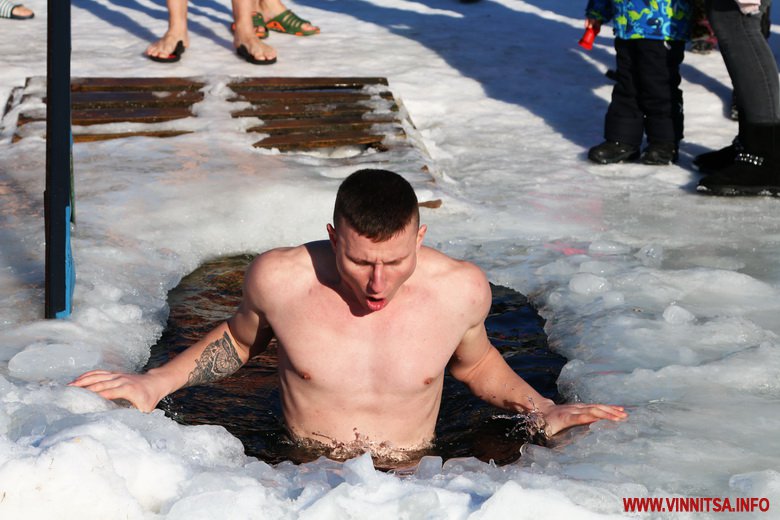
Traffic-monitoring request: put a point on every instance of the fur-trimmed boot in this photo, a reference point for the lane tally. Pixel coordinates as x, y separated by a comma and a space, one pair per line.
755, 170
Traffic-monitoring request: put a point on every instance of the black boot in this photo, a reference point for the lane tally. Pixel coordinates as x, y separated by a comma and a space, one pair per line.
755, 170
659, 153
713, 162
610, 152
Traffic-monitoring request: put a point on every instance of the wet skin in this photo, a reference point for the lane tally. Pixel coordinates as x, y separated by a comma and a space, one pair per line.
366, 330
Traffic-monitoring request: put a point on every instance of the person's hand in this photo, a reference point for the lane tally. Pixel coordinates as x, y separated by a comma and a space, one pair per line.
141, 390
592, 23
562, 416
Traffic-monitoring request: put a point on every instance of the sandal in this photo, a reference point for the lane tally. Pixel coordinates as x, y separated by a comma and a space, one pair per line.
243, 52
290, 23
173, 57
257, 20
7, 11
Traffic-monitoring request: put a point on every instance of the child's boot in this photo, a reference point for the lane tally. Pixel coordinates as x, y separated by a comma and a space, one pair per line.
610, 152
659, 153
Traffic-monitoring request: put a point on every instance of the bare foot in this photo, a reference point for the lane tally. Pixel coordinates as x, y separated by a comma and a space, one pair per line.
22, 11
164, 46
247, 38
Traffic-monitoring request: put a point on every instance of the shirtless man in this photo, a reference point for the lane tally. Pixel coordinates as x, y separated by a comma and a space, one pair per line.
245, 39
366, 323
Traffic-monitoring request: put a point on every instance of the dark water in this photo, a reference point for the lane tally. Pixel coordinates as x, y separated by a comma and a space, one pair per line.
247, 404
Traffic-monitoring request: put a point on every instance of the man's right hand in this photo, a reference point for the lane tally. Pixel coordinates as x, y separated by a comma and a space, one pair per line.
143, 391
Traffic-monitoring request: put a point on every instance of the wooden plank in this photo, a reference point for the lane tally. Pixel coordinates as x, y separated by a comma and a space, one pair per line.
306, 96
304, 83
133, 84
286, 126
133, 115
294, 142
303, 111
82, 100
88, 138
122, 115
23, 119
432, 204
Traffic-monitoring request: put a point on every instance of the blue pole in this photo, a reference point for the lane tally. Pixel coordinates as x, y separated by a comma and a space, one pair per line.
58, 198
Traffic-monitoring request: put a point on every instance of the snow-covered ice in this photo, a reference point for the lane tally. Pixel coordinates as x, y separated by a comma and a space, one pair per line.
663, 300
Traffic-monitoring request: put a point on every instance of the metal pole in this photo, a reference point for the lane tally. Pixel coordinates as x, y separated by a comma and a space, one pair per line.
58, 207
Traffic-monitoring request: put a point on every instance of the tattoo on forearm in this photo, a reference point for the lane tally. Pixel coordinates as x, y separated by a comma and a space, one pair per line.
218, 360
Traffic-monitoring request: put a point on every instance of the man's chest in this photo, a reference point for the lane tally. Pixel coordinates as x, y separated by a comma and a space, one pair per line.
332, 349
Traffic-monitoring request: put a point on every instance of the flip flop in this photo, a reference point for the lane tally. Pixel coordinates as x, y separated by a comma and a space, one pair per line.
244, 53
173, 57
257, 21
9, 13
290, 23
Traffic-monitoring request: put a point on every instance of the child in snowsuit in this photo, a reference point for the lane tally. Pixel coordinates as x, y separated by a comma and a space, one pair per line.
650, 38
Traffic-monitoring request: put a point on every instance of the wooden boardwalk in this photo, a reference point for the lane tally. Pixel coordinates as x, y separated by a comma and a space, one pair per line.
298, 113
288, 114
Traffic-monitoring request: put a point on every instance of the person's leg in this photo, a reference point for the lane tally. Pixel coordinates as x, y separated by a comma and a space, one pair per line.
755, 169
749, 60
660, 97
245, 40
177, 31
270, 9
257, 21
623, 122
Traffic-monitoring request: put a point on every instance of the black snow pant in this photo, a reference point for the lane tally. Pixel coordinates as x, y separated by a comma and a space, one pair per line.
647, 98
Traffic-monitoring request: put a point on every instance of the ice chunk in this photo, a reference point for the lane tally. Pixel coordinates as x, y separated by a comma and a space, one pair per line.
613, 299
54, 361
428, 467
535, 504
361, 470
71, 479
676, 314
586, 283
606, 247
758, 484
651, 255
597, 267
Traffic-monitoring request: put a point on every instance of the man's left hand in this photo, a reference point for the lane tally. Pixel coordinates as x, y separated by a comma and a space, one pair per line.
559, 417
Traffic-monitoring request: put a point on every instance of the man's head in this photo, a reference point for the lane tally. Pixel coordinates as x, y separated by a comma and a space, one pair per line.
375, 236
376, 203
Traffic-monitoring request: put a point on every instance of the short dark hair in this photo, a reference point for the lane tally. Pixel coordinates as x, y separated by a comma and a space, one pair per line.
378, 204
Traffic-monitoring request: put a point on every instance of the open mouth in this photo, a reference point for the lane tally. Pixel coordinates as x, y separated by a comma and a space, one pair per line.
375, 304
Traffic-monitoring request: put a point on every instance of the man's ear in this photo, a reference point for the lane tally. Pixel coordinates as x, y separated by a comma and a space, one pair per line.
332, 235
421, 235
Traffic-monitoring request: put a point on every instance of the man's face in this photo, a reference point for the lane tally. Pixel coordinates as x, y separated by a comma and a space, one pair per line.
374, 271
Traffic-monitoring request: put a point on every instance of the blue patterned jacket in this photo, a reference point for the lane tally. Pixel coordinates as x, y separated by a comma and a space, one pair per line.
651, 19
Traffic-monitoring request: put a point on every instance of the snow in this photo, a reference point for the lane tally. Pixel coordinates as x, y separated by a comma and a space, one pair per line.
663, 300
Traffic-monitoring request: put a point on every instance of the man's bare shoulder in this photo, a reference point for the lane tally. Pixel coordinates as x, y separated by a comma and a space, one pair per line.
441, 264
458, 280
286, 267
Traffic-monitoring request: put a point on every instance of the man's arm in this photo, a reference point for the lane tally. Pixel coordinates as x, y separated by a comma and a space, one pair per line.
480, 366
217, 355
